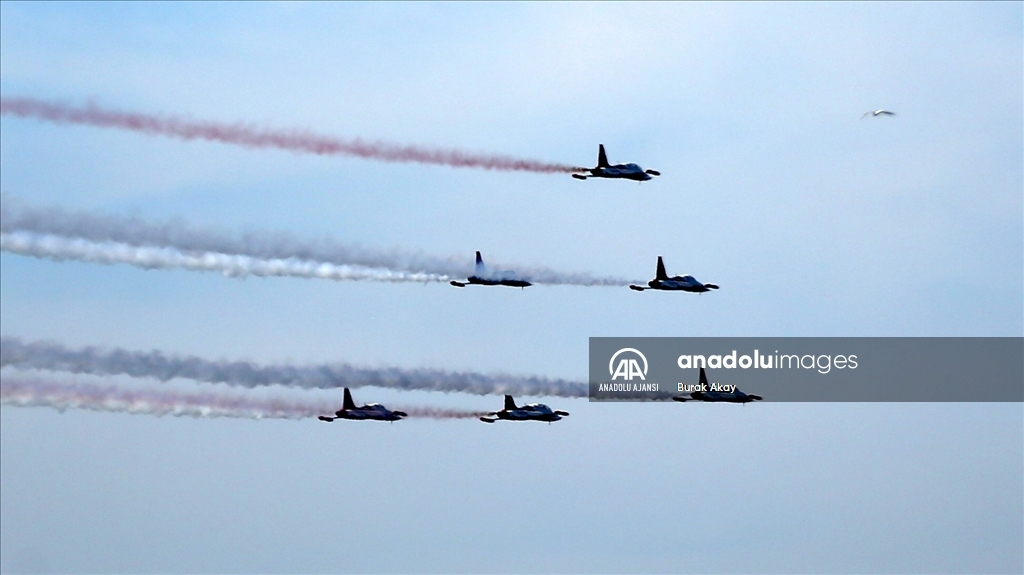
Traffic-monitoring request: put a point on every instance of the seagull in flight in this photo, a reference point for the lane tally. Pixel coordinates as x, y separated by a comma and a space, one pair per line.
878, 113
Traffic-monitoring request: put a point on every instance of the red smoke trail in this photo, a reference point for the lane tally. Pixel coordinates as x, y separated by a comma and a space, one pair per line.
242, 135
158, 402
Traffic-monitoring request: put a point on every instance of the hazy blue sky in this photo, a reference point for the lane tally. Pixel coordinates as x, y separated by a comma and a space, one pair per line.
813, 221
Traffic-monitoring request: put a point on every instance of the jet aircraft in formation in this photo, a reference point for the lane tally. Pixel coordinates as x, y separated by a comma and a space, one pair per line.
482, 276
706, 393
532, 412
374, 411
622, 171
661, 281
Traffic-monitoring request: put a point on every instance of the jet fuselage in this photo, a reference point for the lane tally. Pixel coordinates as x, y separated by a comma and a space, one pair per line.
374, 411
531, 412
622, 171
497, 282
535, 412
681, 283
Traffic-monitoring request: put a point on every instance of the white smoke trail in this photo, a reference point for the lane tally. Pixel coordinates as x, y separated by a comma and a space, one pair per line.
142, 401
52, 356
15, 216
60, 248
185, 237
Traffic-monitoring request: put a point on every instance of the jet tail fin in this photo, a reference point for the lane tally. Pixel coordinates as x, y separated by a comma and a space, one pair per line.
510, 403
703, 377
602, 158
661, 275
348, 403
480, 269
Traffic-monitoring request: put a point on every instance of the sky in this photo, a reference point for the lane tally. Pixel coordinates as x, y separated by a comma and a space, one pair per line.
814, 222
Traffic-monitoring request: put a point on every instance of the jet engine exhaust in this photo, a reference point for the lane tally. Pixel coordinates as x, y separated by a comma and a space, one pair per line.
51, 356
60, 248
299, 141
102, 238
35, 393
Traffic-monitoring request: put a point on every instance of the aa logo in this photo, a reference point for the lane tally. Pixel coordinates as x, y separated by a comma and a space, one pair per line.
627, 368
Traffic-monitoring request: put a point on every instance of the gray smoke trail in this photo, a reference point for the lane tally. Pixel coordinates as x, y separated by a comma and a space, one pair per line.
15, 216
52, 356
60, 248
140, 401
293, 140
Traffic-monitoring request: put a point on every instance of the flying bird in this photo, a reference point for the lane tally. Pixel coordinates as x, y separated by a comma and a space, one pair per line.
878, 113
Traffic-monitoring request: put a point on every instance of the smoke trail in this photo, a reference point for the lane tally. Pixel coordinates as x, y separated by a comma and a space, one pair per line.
60, 249
90, 360
247, 136
15, 216
35, 393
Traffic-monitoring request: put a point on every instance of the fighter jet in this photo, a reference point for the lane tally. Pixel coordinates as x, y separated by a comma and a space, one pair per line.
532, 412
717, 392
374, 411
877, 113
606, 170
488, 278
674, 283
